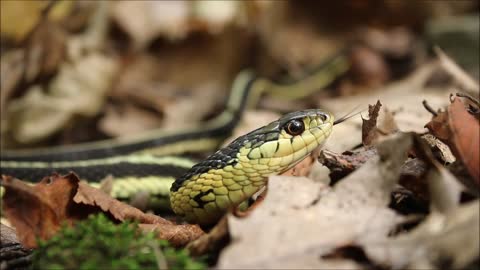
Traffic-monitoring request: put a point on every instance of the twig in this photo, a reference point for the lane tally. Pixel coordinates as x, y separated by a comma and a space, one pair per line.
161, 260
457, 72
467, 96
429, 108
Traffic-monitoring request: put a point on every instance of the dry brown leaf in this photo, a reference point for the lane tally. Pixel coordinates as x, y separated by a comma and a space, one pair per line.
343, 164
39, 210
89, 195
439, 147
178, 235
439, 126
380, 124
212, 241
460, 131
369, 127
465, 137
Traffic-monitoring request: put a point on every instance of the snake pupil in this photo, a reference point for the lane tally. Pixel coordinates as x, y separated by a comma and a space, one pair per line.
295, 127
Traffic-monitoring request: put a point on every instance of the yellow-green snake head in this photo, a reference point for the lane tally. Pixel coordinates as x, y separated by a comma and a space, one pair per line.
236, 172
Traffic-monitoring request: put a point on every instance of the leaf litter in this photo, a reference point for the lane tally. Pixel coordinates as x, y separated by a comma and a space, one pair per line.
85, 78
460, 130
38, 211
391, 193
318, 218
302, 222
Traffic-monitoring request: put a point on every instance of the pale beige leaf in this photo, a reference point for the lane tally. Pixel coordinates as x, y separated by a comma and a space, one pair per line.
301, 218
451, 237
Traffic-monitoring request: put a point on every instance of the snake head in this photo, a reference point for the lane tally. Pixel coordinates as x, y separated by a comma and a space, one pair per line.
237, 171
286, 141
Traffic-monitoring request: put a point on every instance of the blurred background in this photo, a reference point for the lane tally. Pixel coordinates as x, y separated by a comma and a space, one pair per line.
76, 71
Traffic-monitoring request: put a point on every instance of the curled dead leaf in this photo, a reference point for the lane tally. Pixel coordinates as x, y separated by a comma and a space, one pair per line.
440, 148
439, 127
460, 130
466, 137
38, 211
178, 235
89, 195
212, 241
369, 126
341, 165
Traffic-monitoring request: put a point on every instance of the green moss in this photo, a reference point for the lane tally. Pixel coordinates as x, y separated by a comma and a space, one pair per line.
97, 243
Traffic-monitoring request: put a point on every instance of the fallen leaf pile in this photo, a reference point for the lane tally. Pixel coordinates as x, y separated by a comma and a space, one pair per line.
366, 218
460, 130
395, 186
39, 211
391, 202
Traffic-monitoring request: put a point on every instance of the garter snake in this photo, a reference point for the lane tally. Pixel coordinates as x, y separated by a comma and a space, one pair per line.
236, 172
143, 162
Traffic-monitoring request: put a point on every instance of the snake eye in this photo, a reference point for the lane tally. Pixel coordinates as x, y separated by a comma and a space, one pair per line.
295, 127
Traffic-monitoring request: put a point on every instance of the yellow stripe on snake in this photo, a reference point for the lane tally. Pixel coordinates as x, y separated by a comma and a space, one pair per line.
201, 193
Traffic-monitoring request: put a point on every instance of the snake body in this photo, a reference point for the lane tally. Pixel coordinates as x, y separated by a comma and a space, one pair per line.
203, 192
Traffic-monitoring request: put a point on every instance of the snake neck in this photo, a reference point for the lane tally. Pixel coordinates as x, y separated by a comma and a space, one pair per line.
204, 197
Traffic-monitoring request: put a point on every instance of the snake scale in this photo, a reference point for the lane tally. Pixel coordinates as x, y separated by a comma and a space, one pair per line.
200, 193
